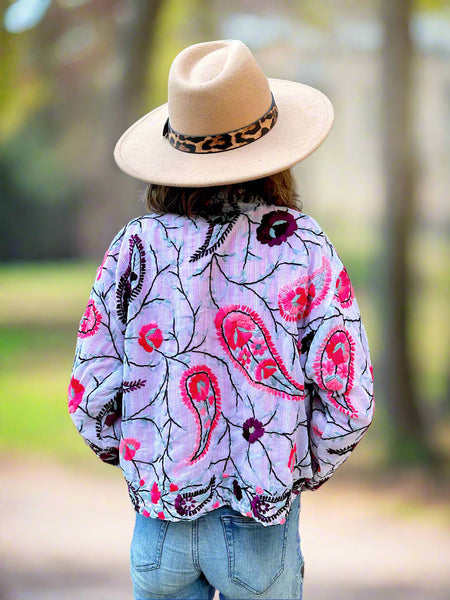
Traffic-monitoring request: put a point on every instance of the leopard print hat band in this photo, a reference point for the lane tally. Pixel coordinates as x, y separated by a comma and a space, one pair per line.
222, 142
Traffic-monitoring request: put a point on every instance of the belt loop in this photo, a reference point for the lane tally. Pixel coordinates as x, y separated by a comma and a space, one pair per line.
194, 525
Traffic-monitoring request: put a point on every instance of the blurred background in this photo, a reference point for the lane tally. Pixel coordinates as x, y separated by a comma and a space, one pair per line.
74, 74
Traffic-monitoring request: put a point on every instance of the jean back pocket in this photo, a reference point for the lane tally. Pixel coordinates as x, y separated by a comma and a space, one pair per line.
255, 553
147, 543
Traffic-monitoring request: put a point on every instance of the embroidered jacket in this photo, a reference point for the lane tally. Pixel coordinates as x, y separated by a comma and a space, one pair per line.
222, 360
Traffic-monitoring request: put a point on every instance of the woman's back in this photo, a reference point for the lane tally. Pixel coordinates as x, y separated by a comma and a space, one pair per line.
214, 318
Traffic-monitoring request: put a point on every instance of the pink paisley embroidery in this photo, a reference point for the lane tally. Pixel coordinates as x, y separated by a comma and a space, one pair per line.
344, 289
238, 330
76, 391
90, 321
292, 301
150, 337
199, 387
266, 370
128, 448
337, 349
201, 394
334, 369
299, 297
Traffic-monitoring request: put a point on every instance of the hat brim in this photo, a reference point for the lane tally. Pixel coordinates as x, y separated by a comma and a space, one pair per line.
305, 118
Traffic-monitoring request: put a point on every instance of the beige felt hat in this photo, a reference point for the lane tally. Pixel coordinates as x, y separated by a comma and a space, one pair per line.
224, 122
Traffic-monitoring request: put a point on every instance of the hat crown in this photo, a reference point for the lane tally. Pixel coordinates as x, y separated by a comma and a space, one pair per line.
216, 87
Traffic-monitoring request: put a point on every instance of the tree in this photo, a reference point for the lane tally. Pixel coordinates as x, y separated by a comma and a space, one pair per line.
114, 194
398, 163
136, 41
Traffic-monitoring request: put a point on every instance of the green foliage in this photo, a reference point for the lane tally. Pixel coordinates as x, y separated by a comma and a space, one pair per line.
22, 91
431, 5
46, 295
39, 199
179, 24
41, 307
35, 363
168, 43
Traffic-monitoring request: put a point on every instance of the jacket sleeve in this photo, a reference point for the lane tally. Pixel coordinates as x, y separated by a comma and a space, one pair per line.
338, 374
95, 390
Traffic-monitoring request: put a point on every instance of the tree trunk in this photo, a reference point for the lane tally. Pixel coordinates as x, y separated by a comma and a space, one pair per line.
408, 435
115, 194
135, 48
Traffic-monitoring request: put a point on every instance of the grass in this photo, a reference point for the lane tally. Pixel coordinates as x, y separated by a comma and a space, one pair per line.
42, 305
44, 294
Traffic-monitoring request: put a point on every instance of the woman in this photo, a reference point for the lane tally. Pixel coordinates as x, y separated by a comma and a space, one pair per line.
221, 358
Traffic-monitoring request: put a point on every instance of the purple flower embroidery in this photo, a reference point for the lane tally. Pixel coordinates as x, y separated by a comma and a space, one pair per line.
269, 508
259, 506
184, 505
276, 227
252, 430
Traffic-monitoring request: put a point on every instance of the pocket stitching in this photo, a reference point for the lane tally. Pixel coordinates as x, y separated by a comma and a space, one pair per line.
226, 521
156, 564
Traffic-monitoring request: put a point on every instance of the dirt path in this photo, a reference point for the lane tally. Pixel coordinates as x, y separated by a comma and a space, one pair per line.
65, 534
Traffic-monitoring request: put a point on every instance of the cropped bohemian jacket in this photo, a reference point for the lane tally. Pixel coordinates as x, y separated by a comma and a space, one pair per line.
221, 360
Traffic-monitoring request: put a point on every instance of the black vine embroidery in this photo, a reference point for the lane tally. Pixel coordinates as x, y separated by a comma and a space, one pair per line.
222, 212
205, 249
131, 282
315, 485
107, 455
342, 451
134, 496
298, 486
132, 386
109, 414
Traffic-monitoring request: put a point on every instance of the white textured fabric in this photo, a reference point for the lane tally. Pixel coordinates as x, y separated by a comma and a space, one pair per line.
222, 360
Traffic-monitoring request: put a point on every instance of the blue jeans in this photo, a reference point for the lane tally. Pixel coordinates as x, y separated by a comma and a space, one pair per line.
221, 550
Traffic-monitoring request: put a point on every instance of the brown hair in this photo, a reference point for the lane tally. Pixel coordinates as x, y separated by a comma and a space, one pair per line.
278, 189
